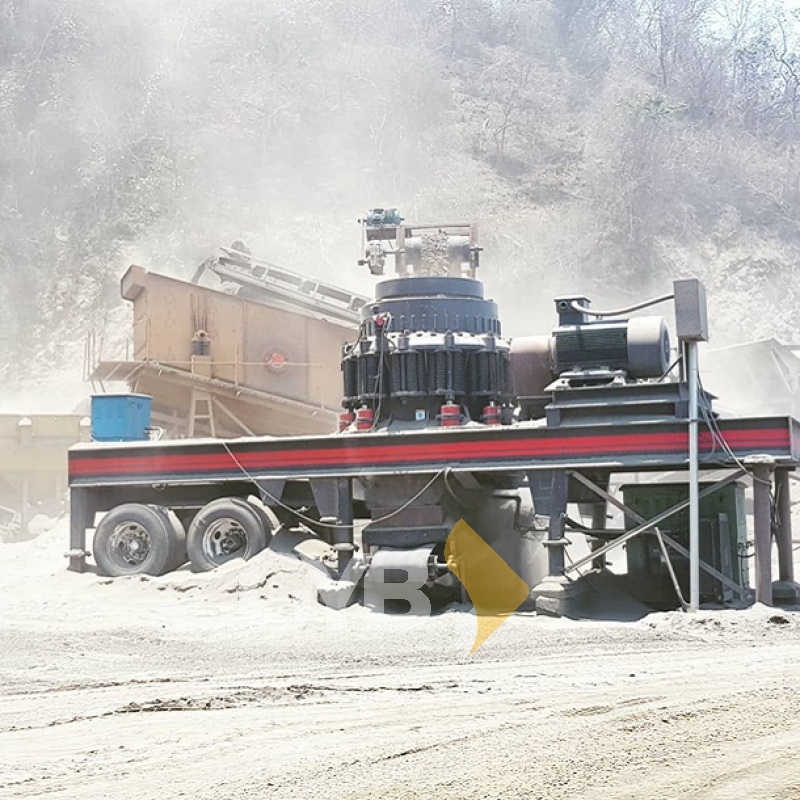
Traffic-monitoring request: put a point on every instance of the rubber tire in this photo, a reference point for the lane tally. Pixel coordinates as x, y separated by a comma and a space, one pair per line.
269, 521
225, 508
178, 555
155, 521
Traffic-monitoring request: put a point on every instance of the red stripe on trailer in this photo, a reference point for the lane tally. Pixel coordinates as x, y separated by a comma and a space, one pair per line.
353, 452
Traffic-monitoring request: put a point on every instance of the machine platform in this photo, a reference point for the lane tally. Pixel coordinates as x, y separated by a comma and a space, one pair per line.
525, 447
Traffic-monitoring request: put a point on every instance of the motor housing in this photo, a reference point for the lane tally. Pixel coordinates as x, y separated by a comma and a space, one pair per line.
639, 347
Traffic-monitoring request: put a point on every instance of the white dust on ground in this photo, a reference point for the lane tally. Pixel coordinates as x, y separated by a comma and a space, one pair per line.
280, 582
271, 695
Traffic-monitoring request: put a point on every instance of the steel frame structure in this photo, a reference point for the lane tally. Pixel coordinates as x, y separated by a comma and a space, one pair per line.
191, 473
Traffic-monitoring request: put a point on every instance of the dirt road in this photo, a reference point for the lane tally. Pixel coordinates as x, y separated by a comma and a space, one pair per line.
204, 689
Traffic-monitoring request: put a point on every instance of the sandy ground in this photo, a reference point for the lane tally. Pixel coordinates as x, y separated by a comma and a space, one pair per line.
236, 685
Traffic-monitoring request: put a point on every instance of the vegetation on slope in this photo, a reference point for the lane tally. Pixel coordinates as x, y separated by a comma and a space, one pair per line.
604, 145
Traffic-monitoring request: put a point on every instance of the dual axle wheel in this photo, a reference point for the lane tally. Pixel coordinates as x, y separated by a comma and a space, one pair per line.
135, 538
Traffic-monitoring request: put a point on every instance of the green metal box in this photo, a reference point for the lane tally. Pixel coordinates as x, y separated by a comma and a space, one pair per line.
723, 542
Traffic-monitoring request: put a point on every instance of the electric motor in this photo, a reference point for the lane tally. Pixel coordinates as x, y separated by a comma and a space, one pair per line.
639, 347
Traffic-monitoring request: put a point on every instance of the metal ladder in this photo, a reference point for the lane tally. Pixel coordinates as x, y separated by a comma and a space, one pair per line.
202, 410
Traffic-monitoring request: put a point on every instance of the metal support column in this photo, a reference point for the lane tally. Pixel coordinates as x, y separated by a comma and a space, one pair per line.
783, 534
556, 542
81, 517
762, 525
556, 594
694, 478
343, 534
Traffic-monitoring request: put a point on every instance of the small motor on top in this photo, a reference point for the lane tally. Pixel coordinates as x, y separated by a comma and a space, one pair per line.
379, 225
435, 250
381, 217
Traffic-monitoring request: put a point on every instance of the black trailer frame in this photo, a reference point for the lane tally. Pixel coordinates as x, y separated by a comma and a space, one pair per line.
189, 474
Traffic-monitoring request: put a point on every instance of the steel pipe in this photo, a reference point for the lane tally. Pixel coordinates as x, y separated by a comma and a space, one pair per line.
693, 379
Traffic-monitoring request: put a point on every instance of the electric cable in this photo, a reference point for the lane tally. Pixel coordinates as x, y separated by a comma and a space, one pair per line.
718, 436
670, 368
317, 522
620, 311
381, 362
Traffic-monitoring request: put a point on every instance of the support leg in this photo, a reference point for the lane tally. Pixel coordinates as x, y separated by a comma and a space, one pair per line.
343, 534
762, 524
784, 531
555, 532
81, 517
341, 592
556, 595
784, 590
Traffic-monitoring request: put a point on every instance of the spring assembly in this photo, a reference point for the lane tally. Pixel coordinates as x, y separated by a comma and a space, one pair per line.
484, 386
386, 372
459, 378
430, 371
371, 385
350, 370
441, 372
412, 373
396, 373
508, 378
362, 376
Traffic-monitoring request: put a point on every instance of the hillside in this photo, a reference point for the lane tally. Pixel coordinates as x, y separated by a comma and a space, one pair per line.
603, 146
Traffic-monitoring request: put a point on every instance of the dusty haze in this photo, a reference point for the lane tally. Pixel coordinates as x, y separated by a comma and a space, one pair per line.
604, 147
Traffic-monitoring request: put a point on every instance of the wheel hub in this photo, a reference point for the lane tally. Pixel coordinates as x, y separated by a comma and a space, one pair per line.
130, 544
224, 539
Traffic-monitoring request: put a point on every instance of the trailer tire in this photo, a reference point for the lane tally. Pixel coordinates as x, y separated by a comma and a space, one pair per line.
134, 539
178, 555
269, 521
222, 530
177, 542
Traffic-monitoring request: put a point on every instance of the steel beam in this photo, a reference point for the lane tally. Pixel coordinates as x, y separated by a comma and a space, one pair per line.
524, 447
599, 518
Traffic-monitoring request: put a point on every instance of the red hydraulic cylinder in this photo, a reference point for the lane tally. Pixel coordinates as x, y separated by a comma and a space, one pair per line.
450, 415
365, 419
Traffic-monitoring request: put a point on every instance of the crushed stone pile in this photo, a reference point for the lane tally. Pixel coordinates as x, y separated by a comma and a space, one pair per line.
269, 575
290, 571
757, 622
